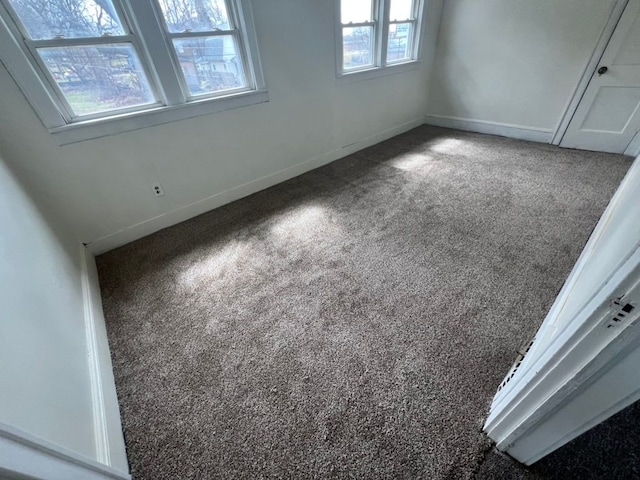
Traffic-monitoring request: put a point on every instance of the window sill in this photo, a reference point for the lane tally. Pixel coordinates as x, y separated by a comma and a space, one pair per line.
375, 72
103, 127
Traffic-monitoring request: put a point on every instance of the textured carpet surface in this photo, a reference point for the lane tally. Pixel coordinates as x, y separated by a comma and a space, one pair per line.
353, 322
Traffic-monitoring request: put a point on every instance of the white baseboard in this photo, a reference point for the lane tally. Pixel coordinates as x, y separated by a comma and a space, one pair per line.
492, 128
633, 149
109, 439
186, 212
23, 455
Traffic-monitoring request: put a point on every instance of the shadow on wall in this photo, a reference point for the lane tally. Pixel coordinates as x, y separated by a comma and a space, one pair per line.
66, 239
451, 79
513, 63
43, 351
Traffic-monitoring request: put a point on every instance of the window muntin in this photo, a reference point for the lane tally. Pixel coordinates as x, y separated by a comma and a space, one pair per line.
401, 28
207, 46
108, 61
87, 54
401, 10
356, 11
358, 47
195, 16
358, 20
368, 43
98, 78
46, 19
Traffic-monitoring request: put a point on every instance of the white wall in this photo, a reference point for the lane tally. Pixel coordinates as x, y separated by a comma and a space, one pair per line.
104, 186
44, 379
513, 62
56, 381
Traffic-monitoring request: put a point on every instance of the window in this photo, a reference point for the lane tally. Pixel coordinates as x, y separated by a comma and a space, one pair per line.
207, 44
376, 34
91, 63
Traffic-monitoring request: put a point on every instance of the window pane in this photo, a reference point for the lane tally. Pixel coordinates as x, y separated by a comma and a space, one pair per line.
357, 47
195, 15
46, 19
401, 10
356, 11
210, 64
98, 78
399, 44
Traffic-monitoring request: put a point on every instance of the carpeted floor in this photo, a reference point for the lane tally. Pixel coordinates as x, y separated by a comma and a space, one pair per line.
353, 322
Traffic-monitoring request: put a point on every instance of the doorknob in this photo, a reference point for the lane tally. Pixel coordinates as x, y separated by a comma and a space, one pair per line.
602, 70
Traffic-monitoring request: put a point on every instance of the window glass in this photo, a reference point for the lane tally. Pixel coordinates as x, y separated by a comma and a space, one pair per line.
195, 15
83, 60
46, 19
98, 78
357, 44
401, 10
210, 64
399, 44
356, 11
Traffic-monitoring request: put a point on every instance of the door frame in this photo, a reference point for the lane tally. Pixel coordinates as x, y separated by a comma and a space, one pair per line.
586, 350
589, 72
28, 456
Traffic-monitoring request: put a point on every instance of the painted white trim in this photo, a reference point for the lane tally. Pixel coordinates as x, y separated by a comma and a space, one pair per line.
24, 454
104, 127
23, 72
109, 440
633, 149
380, 23
27, 71
577, 357
99, 414
599, 418
581, 87
537, 349
520, 132
186, 212
377, 72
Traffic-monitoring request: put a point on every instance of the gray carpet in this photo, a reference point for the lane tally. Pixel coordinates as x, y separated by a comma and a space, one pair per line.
353, 322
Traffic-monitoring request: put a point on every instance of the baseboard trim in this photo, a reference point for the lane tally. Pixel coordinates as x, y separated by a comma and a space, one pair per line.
633, 149
519, 132
147, 227
108, 436
99, 415
26, 455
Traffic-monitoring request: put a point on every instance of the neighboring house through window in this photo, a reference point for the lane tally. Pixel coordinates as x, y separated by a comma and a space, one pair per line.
375, 35
87, 63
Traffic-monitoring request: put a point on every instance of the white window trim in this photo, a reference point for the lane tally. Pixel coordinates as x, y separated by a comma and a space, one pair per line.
381, 67
176, 107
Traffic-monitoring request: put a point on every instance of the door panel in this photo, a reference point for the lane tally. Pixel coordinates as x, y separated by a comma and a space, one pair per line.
629, 53
612, 110
608, 116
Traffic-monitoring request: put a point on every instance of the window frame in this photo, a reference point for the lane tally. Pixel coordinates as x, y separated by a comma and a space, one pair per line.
381, 67
30, 47
143, 25
235, 32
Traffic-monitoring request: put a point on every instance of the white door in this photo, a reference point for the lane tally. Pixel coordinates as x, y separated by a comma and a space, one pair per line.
565, 381
608, 116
